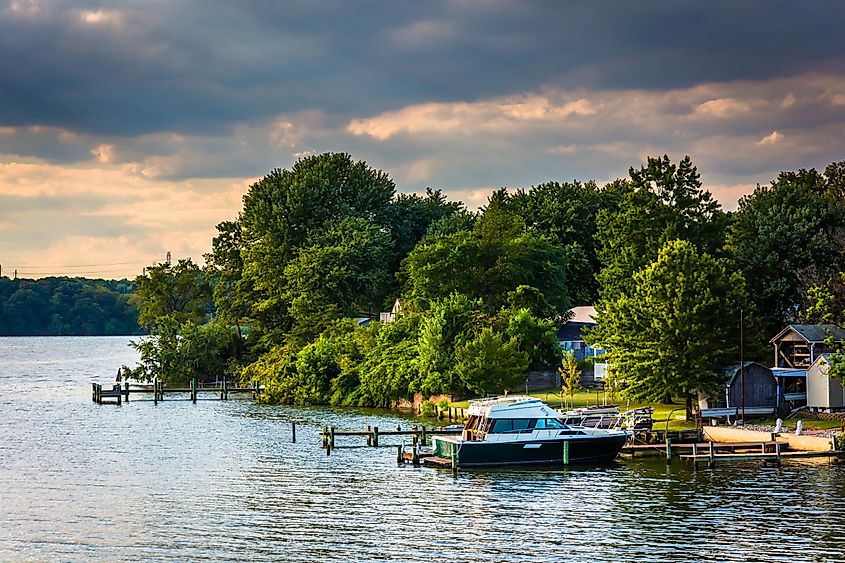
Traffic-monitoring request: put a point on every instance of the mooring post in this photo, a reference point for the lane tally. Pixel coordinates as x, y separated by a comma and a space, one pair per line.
325, 434
375, 436
712, 462
293, 432
423, 434
126, 390
194, 390
454, 450
116, 387
94, 392
225, 389
668, 450
566, 452
777, 452
155, 391
399, 456
369, 435
331, 437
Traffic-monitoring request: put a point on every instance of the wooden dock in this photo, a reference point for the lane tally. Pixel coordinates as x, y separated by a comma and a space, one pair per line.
118, 393
419, 436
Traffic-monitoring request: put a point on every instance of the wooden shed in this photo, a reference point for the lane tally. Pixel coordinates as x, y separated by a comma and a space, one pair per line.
824, 393
798, 346
761, 389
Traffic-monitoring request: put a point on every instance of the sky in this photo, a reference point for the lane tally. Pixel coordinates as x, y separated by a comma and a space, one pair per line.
130, 129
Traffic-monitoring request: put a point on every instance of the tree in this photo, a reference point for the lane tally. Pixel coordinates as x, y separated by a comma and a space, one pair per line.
826, 305
286, 208
570, 375
566, 213
489, 263
785, 233
664, 202
179, 291
675, 327
489, 364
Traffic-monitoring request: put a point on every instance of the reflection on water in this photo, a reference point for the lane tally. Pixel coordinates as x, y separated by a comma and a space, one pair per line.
222, 481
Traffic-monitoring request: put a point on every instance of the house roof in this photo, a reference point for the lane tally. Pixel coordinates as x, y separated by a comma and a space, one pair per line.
813, 333
731, 372
789, 372
584, 314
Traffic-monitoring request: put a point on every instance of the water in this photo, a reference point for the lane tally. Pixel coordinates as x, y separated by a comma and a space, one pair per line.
221, 481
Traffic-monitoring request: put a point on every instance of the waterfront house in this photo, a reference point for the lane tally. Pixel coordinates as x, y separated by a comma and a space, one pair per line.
570, 336
754, 381
824, 393
798, 346
390, 316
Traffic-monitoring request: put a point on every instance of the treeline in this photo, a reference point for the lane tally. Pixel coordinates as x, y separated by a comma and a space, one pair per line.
63, 306
482, 293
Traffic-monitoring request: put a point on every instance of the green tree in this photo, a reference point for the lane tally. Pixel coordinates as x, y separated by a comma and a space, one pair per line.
570, 375
283, 210
173, 290
786, 232
489, 263
664, 202
489, 364
676, 327
341, 270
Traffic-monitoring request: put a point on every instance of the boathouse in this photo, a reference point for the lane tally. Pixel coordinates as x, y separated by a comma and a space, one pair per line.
824, 393
570, 336
755, 381
798, 346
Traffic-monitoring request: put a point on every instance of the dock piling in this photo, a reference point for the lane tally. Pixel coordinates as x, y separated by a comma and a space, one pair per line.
668, 450
566, 452
293, 432
712, 461
375, 436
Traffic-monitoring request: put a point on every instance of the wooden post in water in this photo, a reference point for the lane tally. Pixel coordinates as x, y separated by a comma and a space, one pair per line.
116, 387
325, 436
126, 390
415, 450
668, 450
777, 452
155, 391
331, 437
454, 449
566, 452
293, 432
712, 455
423, 434
375, 436
194, 390
399, 456
369, 435
94, 392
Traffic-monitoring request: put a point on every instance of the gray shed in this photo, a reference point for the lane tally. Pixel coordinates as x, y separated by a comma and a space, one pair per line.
761, 389
824, 393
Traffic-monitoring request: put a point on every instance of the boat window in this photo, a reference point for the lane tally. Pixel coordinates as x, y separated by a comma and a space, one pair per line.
521, 423
502, 425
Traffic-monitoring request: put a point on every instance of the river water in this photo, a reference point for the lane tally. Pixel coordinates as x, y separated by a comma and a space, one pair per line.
222, 481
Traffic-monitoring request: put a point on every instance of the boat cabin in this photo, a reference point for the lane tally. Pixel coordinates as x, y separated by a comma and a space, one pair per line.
512, 415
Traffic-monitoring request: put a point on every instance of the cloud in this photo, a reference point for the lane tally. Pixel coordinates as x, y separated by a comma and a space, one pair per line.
771, 138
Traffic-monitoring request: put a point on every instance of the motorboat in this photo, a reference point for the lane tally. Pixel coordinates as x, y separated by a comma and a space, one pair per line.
525, 431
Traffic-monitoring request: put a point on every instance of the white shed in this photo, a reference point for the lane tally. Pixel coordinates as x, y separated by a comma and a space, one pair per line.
824, 393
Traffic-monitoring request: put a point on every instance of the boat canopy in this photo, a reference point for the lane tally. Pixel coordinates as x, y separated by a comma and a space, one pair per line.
512, 407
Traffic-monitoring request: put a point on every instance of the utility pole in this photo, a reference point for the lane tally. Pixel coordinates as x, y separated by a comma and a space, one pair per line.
742, 364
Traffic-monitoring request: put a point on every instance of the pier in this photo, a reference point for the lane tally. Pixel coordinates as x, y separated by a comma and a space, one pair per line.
419, 436
118, 393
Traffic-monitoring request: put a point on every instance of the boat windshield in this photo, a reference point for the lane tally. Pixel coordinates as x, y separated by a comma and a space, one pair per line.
549, 423
504, 425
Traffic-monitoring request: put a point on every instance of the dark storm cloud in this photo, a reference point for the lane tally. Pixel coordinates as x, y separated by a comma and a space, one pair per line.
201, 66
